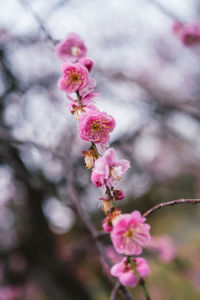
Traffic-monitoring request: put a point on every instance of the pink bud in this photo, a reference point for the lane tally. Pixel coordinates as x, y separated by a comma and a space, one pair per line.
107, 226
87, 62
118, 194
97, 179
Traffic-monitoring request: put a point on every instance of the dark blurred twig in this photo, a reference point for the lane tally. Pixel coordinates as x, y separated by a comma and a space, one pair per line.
7, 138
170, 203
114, 291
164, 10
26, 4
82, 214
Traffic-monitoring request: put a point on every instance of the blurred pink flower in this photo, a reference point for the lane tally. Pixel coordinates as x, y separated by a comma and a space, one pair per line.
75, 76
108, 169
126, 274
112, 254
177, 26
71, 49
164, 247
188, 34
130, 234
95, 126
87, 62
10, 293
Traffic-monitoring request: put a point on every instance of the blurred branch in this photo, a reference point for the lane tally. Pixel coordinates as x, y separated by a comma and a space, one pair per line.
114, 291
7, 138
26, 4
170, 203
162, 102
82, 214
164, 10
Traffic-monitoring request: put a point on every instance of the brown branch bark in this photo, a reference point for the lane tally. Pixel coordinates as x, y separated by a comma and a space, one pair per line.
114, 291
82, 214
170, 203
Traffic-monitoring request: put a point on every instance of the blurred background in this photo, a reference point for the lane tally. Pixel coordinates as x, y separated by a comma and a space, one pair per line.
150, 83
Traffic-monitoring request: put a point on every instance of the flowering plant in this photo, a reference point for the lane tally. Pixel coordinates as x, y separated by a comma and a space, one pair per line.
129, 232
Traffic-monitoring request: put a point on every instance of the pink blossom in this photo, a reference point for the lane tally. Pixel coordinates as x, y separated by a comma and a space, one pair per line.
177, 26
164, 247
87, 62
108, 169
102, 148
111, 219
130, 234
89, 87
124, 271
95, 126
188, 34
113, 255
75, 76
75, 107
71, 49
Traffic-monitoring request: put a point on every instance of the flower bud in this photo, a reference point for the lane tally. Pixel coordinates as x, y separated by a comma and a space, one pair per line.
97, 179
87, 62
118, 194
111, 219
89, 158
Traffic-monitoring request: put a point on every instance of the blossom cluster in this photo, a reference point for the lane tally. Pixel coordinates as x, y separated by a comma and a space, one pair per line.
129, 232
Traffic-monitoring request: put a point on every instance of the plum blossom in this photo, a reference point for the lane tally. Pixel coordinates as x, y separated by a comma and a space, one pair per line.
75, 76
87, 62
111, 219
188, 34
76, 108
102, 147
71, 49
108, 169
89, 87
130, 234
95, 126
124, 271
112, 254
164, 247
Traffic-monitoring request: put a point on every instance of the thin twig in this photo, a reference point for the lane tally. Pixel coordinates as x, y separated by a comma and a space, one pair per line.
93, 232
39, 21
114, 291
170, 203
6, 137
164, 10
126, 292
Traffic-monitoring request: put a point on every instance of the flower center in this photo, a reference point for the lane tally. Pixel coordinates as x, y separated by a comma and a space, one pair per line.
98, 130
74, 77
116, 173
95, 126
76, 51
128, 233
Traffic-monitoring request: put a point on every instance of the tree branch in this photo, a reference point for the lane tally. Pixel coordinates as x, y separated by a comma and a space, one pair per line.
114, 291
170, 203
88, 224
